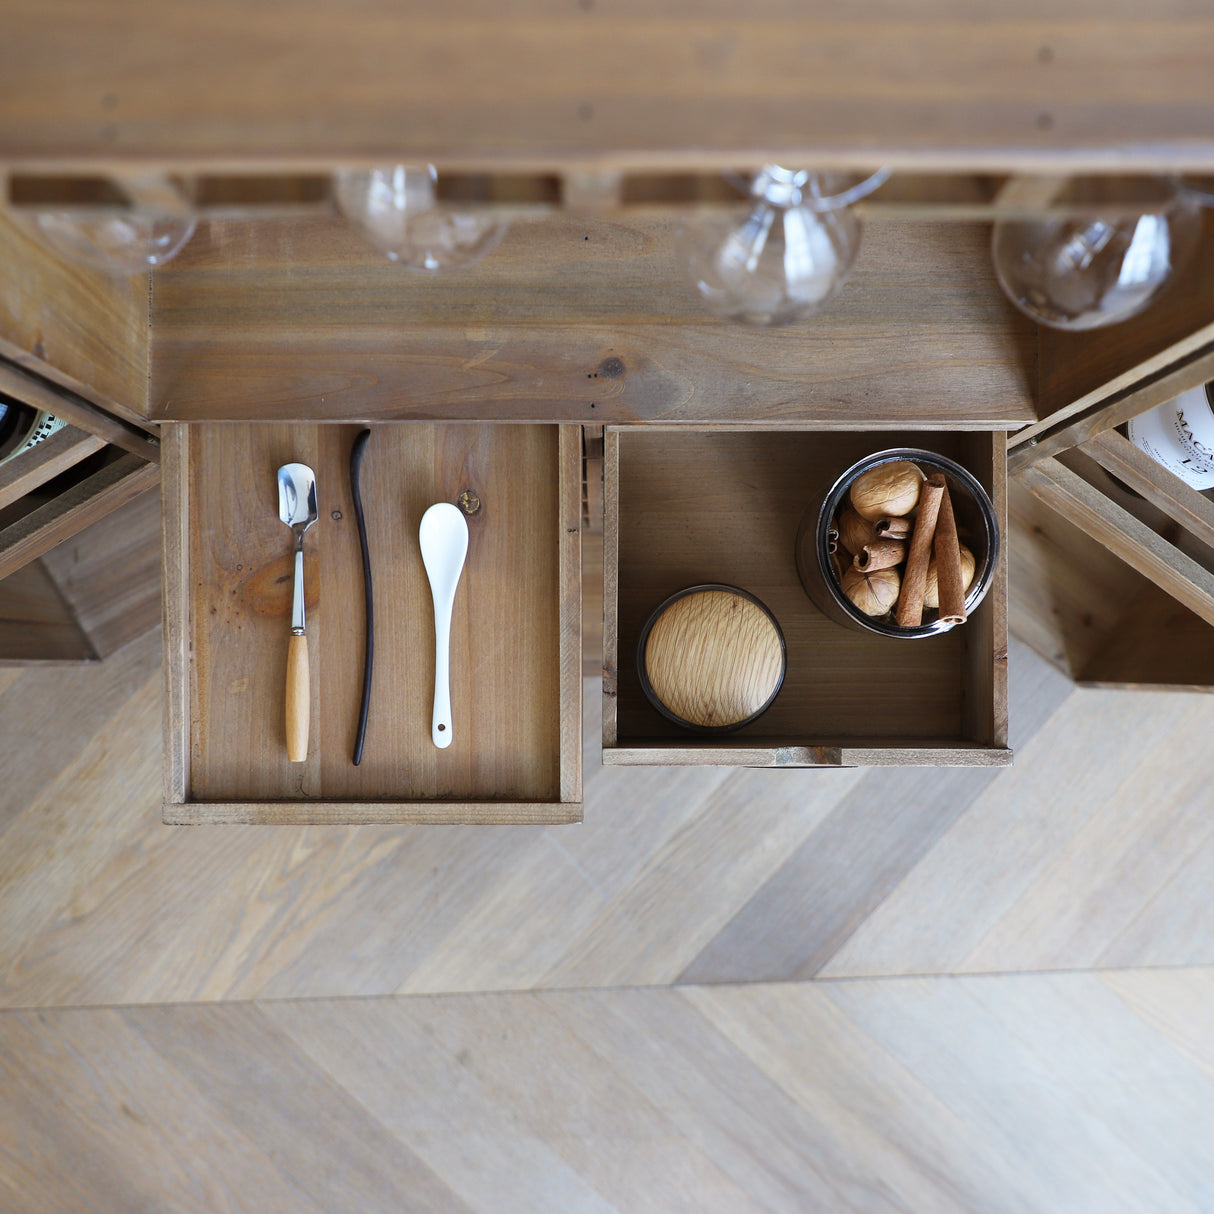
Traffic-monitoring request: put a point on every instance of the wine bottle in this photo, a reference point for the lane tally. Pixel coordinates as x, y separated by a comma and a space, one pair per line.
22, 427
1179, 434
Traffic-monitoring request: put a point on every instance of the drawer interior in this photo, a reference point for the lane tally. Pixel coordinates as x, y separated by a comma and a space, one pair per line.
724, 506
1083, 607
515, 753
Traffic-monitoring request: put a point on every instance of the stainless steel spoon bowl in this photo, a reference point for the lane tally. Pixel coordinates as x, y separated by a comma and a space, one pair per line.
297, 508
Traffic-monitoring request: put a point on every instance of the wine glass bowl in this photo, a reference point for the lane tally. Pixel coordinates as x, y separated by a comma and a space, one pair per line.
781, 256
1111, 251
118, 245
395, 208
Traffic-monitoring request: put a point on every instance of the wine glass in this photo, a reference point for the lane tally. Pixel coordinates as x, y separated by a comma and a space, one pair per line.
1100, 263
783, 255
118, 245
394, 207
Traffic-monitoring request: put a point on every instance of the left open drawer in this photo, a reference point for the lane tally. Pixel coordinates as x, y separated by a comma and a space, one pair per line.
515, 755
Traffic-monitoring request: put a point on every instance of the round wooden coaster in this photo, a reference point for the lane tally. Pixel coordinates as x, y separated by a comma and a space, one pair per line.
711, 657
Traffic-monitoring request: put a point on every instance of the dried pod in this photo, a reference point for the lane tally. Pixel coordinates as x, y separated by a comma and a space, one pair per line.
888, 490
854, 531
873, 593
931, 596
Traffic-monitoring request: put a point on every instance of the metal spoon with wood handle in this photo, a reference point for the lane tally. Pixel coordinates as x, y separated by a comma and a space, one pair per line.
297, 508
444, 543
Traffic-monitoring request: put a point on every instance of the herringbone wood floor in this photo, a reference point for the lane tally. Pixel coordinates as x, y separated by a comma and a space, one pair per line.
726, 991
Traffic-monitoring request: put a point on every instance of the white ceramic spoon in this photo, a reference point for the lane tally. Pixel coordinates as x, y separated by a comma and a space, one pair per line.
444, 542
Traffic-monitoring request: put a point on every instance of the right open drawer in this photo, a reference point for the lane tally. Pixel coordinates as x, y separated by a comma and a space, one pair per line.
688, 505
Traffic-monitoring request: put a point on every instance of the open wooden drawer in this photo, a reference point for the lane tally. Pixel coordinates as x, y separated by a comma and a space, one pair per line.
685, 505
516, 750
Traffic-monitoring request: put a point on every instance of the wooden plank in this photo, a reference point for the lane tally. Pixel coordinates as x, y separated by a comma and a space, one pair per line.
78, 507
93, 341
891, 755
724, 506
177, 611
369, 813
62, 450
472, 83
110, 573
515, 639
40, 393
611, 588
569, 619
1123, 534
1140, 390
579, 320
36, 624
1179, 501
985, 709
630, 197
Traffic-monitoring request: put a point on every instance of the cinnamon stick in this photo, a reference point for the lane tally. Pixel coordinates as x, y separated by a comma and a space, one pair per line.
950, 579
832, 540
880, 554
914, 580
893, 528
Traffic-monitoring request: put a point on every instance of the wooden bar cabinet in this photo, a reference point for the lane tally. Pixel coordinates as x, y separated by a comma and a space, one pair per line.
277, 333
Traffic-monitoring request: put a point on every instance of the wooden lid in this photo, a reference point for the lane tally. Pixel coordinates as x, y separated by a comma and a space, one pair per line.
714, 658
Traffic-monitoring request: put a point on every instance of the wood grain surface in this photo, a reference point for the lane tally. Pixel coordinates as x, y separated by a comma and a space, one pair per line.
714, 658
61, 451
712, 506
36, 624
108, 575
578, 319
1157, 557
80, 505
1091, 614
93, 341
509, 687
549, 83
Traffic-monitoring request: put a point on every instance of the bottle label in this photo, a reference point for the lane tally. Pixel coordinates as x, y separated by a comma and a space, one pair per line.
1180, 436
44, 425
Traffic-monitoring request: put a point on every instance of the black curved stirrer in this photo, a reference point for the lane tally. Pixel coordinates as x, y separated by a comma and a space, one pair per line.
356, 459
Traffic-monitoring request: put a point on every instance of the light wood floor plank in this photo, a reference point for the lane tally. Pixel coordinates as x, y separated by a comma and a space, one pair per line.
1052, 864
1070, 1093
475, 1142
253, 1078
93, 1119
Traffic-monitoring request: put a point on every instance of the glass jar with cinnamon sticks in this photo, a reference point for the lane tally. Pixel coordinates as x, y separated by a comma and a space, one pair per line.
905, 544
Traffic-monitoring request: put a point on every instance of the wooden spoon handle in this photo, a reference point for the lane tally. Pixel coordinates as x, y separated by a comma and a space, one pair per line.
299, 702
